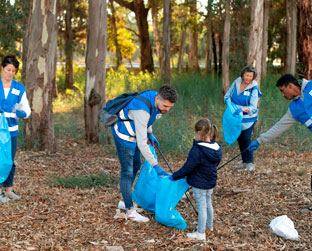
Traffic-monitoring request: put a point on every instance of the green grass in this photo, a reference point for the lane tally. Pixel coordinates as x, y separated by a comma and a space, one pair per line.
92, 181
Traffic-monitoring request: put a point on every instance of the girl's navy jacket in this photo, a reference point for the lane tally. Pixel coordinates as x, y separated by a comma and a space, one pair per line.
200, 167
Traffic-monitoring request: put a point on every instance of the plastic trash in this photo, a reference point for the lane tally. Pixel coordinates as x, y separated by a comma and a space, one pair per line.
160, 195
284, 227
6, 162
231, 123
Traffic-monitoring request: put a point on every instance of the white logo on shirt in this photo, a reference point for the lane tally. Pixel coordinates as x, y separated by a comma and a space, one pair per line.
310, 93
246, 93
15, 91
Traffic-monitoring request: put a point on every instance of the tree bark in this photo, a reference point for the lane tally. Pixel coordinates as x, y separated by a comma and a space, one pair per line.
69, 74
41, 74
265, 38
155, 9
137, 6
208, 49
305, 36
226, 48
215, 54
255, 37
193, 44
291, 41
114, 28
95, 68
166, 71
183, 44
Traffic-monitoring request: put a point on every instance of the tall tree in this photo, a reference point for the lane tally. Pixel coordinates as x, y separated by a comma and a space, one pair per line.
165, 69
305, 36
193, 39
114, 28
182, 40
291, 42
155, 5
226, 48
146, 56
95, 67
208, 51
41, 74
255, 37
265, 38
69, 43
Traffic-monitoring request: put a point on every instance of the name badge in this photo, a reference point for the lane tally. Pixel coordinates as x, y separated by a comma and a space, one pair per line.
15, 91
310, 93
246, 93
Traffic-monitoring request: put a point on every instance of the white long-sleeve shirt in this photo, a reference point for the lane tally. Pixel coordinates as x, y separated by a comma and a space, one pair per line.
23, 105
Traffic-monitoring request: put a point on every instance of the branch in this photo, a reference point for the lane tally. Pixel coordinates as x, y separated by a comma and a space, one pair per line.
128, 5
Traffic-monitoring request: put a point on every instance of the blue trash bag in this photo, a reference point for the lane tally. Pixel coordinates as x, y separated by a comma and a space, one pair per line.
231, 123
168, 196
160, 195
6, 162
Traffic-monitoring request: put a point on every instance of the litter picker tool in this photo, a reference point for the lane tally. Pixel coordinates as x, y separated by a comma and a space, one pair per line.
232, 159
172, 172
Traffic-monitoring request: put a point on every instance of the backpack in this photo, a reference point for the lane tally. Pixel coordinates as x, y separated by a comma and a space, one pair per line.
109, 112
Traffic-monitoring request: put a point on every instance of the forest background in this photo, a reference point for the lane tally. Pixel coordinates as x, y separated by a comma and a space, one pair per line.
77, 54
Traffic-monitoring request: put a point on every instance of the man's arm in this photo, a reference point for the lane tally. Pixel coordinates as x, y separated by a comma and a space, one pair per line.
140, 119
285, 123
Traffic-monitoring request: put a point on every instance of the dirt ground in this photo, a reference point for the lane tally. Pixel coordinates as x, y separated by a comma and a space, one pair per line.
245, 202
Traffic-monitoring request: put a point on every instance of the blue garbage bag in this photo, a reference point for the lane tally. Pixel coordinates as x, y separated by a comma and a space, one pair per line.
160, 195
231, 123
6, 162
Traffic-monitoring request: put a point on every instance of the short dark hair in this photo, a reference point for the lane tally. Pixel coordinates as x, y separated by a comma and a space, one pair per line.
10, 59
287, 79
168, 92
249, 68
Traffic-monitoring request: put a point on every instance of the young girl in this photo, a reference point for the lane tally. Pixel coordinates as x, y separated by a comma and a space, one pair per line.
200, 169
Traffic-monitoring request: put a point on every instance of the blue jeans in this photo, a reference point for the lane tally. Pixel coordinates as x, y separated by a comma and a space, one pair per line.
205, 209
244, 141
9, 180
130, 161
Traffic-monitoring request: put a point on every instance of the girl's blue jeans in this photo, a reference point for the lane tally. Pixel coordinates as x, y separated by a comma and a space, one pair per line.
9, 180
244, 141
205, 209
130, 161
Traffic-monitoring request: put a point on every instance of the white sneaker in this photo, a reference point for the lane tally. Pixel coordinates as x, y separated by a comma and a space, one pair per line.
240, 165
250, 167
197, 236
134, 216
11, 195
4, 199
122, 206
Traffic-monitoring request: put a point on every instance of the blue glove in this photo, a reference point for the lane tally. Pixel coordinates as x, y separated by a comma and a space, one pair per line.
152, 138
253, 146
171, 178
20, 114
227, 101
238, 111
160, 171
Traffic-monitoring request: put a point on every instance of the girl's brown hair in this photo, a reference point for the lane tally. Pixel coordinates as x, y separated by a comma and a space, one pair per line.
204, 128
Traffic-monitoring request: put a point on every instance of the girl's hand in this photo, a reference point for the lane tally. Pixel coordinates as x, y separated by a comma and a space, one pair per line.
245, 109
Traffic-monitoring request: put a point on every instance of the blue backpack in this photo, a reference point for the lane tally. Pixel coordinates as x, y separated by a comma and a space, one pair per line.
109, 112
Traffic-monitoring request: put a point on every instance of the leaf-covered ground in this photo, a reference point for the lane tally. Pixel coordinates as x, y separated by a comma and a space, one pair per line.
52, 218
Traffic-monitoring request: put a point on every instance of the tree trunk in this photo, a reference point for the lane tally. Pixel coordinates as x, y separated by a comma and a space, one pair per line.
41, 74
95, 68
114, 28
155, 9
183, 43
219, 48
215, 54
291, 41
265, 38
208, 49
226, 48
305, 36
137, 6
69, 75
255, 37
166, 71
193, 44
